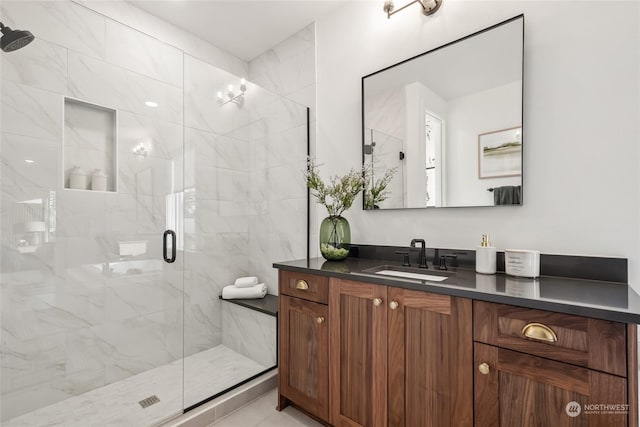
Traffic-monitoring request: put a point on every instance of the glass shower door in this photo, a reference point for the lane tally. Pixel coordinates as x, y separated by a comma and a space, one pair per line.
92, 315
245, 208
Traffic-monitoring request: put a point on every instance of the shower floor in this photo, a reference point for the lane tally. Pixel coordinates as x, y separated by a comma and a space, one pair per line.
205, 374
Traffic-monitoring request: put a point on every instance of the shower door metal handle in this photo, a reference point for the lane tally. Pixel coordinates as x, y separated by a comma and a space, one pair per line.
172, 258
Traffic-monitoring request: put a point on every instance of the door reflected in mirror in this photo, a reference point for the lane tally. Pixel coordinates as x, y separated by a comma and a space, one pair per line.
448, 124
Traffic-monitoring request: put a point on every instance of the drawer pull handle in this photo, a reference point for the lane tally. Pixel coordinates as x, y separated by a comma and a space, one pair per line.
320, 320
393, 305
302, 285
539, 332
377, 302
484, 368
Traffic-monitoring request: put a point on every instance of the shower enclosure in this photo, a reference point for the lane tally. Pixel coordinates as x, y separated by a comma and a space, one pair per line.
109, 138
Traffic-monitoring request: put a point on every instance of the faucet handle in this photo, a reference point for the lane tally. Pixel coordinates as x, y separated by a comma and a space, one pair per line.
405, 261
443, 261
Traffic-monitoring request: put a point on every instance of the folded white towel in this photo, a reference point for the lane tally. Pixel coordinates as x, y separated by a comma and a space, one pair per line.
256, 291
246, 282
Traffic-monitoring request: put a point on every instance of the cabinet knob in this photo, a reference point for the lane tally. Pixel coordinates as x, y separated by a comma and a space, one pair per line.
393, 305
302, 285
320, 320
377, 301
484, 368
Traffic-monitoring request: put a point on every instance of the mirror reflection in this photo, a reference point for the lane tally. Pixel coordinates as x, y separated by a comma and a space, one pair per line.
445, 128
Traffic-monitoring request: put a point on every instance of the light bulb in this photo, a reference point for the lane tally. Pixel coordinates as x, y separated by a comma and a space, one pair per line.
230, 88
243, 82
220, 96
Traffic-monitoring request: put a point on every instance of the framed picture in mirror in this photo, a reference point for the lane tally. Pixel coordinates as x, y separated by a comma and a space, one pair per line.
500, 153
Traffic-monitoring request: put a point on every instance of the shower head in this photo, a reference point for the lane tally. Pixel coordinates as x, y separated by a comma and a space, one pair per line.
14, 39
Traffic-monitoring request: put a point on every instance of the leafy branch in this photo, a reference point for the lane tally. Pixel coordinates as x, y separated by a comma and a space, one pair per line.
376, 191
338, 195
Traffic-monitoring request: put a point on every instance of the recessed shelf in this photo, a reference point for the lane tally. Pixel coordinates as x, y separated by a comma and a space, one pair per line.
90, 146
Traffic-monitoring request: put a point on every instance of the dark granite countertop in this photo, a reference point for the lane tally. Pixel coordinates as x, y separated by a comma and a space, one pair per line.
598, 299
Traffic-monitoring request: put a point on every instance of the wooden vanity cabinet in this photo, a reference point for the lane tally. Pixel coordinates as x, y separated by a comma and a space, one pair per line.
360, 354
532, 365
518, 389
399, 357
303, 334
429, 353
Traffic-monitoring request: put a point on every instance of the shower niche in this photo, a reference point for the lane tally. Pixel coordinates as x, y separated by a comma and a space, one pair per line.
90, 146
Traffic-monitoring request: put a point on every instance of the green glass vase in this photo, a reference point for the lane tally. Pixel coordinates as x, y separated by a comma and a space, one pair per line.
335, 238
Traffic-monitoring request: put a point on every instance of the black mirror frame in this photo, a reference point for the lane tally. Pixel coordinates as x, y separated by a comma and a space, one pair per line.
520, 16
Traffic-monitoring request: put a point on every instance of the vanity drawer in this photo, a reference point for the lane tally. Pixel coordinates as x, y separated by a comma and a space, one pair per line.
592, 343
305, 286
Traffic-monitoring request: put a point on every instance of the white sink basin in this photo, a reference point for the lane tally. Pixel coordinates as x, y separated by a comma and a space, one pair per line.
418, 276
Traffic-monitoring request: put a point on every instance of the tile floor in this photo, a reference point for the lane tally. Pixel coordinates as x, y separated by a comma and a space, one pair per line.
262, 413
117, 404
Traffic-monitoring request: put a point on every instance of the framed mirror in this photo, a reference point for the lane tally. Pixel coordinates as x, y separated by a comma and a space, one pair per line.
444, 128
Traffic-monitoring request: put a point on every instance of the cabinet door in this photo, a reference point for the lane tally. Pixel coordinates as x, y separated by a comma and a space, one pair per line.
304, 354
430, 359
517, 389
358, 372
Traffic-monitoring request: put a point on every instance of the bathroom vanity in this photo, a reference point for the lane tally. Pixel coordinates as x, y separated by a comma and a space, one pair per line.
358, 348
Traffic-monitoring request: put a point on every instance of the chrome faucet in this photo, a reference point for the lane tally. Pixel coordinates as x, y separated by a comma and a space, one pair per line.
422, 259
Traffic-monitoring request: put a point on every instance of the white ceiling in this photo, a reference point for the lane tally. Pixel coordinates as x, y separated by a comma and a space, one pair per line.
245, 28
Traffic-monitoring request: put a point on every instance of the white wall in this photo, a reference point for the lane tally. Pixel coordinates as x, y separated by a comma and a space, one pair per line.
581, 123
468, 117
416, 147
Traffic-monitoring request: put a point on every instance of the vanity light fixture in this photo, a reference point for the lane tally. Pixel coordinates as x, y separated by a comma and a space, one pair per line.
237, 99
429, 7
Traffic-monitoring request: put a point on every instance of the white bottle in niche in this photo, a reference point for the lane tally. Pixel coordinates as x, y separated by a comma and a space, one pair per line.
77, 178
99, 180
485, 257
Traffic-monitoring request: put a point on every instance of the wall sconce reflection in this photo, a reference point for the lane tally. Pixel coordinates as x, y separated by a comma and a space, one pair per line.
232, 96
140, 150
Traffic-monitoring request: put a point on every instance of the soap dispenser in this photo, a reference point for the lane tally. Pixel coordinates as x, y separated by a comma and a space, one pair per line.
486, 257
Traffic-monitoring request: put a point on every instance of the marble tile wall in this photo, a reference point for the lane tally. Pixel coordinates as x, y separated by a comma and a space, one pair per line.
243, 173
217, 181
128, 14
278, 146
250, 333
